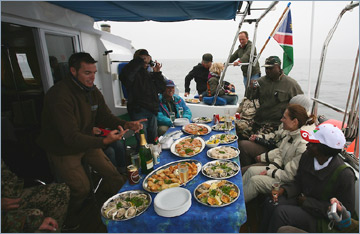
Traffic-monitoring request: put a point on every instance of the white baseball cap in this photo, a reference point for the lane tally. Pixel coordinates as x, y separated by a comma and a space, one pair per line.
326, 134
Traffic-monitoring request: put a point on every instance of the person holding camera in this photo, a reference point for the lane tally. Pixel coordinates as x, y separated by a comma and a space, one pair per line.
321, 175
283, 168
259, 149
143, 88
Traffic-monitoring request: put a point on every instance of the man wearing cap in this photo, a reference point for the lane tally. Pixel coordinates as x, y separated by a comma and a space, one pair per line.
143, 88
200, 73
274, 91
243, 54
321, 175
170, 102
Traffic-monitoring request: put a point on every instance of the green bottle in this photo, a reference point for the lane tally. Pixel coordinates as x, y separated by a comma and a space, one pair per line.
147, 163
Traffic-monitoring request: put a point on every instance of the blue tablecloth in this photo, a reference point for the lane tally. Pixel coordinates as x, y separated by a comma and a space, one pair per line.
199, 218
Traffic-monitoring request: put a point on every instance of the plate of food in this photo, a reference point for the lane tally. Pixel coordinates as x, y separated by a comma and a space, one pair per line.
188, 146
223, 152
168, 176
216, 193
192, 100
225, 138
220, 169
221, 127
126, 205
196, 129
202, 120
222, 118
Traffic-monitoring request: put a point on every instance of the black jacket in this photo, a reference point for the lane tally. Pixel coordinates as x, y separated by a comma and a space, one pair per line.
200, 74
142, 86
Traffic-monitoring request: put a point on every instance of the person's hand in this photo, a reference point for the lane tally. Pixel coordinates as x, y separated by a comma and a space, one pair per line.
237, 63
96, 131
338, 206
114, 135
280, 193
258, 158
49, 224
264, 172
10, 203
186, 94
301, 199
252, 138
157, 67
135, 125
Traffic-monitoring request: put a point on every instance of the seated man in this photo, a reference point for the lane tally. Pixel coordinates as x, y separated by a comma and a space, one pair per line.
39, 208
200, 73
170, 102
321, 175
274, 91
72, 108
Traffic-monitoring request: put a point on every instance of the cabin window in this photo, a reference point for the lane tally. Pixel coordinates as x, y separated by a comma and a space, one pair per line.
60, 48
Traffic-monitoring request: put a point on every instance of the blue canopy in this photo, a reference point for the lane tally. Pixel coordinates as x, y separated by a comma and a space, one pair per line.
162, 11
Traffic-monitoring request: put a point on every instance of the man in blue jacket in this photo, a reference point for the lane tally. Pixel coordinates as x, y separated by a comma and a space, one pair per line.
170, 102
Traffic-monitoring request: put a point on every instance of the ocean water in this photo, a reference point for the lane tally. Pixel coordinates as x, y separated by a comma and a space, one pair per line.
334, 89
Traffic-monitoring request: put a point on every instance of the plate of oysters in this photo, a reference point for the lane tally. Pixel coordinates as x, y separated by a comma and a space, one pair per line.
126, 205
216, 193
220, 169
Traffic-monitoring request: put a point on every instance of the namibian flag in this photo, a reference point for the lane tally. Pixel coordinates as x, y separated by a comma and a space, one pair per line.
284, 37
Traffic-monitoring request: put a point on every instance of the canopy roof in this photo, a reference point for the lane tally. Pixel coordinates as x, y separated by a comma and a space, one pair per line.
163, 11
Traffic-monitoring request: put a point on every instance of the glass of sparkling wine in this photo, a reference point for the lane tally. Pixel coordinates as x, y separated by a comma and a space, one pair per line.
275, 192
181, 111
172, 118
135, 160
183, 173
227, 121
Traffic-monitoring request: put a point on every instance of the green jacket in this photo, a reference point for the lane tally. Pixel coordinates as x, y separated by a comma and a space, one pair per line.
244, 55
69, 115
273, 96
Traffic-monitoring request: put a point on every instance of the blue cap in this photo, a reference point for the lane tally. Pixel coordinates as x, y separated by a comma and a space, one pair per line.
170, 83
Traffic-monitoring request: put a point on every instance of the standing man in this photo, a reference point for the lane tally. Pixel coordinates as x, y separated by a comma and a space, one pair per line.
143, 88
243, 54
170, 102
72, 107
274, 92
200, 73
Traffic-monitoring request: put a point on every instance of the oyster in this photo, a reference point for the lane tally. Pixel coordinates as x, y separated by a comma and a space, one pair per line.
119, 213
109, 212
131, 212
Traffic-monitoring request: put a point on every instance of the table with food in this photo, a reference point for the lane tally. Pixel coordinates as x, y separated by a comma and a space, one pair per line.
196, 187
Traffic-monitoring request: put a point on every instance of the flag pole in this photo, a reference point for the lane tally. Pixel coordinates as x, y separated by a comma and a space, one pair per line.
273, 31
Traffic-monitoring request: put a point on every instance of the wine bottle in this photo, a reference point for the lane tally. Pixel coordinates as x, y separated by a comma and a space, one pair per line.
147, 163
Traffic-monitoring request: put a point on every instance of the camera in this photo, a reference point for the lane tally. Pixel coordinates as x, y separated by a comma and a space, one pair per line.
152, 63
332, 214
270, 144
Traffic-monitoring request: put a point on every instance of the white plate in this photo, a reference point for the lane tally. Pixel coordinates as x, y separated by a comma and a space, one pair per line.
202, 120
210, 182
233, 172
172, 147
181, 122
145, 182
209, 152
203, 125
219, 127
172, 202
217, 136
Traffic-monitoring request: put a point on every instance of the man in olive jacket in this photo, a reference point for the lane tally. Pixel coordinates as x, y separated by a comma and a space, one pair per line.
72, 107
243, 54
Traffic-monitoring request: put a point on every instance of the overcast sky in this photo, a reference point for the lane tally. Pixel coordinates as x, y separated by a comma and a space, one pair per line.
191, 39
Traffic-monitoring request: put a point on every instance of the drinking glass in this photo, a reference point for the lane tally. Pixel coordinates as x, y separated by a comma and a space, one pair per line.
183, 173
275, 192
181, 111
135, 160
227, 121
172, 118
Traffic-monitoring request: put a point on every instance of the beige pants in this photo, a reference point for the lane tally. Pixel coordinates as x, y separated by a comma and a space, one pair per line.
254, 183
